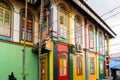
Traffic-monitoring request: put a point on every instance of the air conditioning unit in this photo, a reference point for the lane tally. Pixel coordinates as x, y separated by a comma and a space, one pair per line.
79, 47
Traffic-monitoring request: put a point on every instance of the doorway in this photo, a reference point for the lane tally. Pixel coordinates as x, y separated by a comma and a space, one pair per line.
43, 67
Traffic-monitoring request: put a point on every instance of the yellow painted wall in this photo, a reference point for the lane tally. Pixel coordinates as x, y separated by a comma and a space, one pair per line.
28, 43
51, 62
97, 58
75, 76
92, 76
70, 24
70, 28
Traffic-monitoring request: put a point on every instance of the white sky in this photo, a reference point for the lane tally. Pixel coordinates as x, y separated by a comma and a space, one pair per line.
103, 6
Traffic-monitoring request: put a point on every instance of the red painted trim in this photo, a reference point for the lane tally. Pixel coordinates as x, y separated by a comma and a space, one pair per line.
63, 49
85, 31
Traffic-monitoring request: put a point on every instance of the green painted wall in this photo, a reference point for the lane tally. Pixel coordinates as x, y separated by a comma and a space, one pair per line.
70, 63
101, 74
11, 61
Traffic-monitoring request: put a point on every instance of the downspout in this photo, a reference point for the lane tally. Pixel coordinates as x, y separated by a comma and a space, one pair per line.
40, 34
86, 52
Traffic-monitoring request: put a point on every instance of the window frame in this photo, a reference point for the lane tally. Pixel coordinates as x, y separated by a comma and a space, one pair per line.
64, 25
100, 42
92, 65
10, 19
80, 65
101, 66
77, 21
62, 64
91, 41
21, 26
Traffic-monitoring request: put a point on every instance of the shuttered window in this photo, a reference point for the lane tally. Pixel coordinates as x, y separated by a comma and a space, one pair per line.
79, 65
101, 66
91, 37
62, 22
92, 66
63, 64
28, 28
5, 19
78, 30
100, 43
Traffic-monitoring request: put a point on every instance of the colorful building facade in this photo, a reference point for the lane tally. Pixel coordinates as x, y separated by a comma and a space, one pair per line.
73, 40
12, 17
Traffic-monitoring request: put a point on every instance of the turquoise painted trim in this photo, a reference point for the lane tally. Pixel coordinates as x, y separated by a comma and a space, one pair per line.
63, 40
70, 63
101, 75
96, 39
86, 60
5, 38
54, 39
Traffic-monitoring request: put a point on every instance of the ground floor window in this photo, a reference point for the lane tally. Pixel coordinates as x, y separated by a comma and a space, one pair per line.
92, 66
79, 65
101, 66
63, 64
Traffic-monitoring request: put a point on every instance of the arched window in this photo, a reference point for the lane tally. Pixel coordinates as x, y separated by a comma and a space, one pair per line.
91, 37
63, 70
79, 65
62, 22
92, 65
5, 19
29, 28
78, 30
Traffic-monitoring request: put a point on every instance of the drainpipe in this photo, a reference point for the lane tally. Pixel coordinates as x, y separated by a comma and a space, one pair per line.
24, 47
86, 51
40, 34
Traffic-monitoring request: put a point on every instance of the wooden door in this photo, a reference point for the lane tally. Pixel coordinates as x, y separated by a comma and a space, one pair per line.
43, 68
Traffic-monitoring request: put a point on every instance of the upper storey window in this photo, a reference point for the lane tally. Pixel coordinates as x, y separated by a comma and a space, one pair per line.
5, 19
100, 42
78, 30
62, 22
91, 37
29, 28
